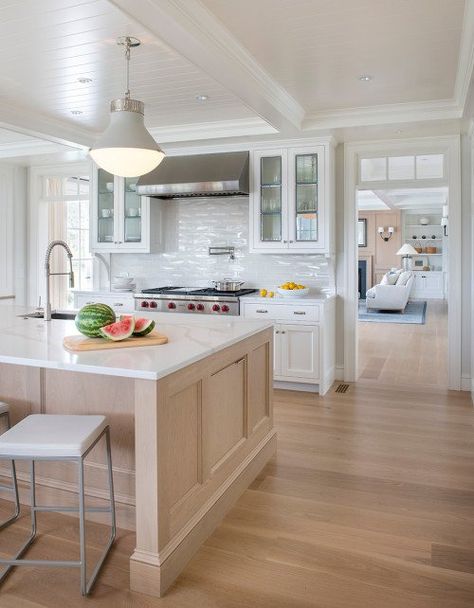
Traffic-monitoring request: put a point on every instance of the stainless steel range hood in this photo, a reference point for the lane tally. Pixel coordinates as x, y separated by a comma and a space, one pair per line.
198, 175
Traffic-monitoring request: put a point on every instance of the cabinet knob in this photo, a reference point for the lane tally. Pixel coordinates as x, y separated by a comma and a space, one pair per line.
292, 241
283, 332
285, 241
277, 332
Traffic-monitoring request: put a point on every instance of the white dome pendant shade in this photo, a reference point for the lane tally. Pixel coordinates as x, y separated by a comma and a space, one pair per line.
126, 148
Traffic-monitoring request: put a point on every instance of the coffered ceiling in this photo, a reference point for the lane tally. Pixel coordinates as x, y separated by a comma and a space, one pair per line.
266, 66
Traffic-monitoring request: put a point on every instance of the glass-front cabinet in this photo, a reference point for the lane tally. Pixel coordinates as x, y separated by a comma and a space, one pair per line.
287, 206
120, 217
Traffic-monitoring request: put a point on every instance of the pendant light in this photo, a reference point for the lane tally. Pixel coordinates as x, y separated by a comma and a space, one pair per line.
126, 148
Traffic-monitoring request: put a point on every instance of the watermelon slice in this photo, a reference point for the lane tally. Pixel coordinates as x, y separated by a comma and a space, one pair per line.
143, 326
121, 330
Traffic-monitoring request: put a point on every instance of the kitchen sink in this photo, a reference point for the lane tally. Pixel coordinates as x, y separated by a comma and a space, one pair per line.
37, 314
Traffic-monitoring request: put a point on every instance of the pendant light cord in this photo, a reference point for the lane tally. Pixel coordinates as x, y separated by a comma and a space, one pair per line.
127, 67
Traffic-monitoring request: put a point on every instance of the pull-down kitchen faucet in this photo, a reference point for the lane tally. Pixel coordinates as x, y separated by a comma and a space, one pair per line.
49, 274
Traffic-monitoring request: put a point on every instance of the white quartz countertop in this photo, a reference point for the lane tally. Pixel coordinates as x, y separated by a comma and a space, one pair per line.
37, 343
314, 297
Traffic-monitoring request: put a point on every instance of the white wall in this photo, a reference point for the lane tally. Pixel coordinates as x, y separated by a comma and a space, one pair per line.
466, 263
190, 226
13, 235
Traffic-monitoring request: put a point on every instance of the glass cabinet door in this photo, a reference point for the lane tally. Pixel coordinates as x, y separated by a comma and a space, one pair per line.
132, 212
306, 197
271, 198
105, 206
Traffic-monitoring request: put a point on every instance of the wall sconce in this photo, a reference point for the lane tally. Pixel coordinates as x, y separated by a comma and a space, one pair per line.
385, 235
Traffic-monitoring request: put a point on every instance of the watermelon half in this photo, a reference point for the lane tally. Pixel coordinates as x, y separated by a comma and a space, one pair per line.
121, 330
92, 317
143, 326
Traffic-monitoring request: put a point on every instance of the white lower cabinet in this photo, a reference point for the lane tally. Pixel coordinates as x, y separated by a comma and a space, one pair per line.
428, 285
304, 341
298, 352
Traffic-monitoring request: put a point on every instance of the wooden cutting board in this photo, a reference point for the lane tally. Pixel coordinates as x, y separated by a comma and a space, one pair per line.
83, 343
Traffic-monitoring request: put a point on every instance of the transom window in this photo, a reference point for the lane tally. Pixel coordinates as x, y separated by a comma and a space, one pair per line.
402, 168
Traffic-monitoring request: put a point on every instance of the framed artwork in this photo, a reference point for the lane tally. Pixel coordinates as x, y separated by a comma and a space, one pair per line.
362, 232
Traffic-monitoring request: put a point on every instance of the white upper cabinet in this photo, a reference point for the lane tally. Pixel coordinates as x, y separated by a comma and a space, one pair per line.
120, 218
290, 204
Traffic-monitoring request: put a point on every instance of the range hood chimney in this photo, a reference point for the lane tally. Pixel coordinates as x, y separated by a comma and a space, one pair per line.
198, 175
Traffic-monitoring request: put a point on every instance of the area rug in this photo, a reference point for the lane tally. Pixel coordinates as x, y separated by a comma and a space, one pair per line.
415, 314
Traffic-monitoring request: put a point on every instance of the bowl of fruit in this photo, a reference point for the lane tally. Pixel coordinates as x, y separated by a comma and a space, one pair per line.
293, 290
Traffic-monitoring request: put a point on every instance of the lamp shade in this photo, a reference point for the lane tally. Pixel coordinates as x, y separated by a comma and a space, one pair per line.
407, 249
126, 148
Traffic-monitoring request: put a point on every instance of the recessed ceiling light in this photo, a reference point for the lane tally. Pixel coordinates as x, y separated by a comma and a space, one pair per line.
365, 77
83, 80
202, 97
76, 112
399, 131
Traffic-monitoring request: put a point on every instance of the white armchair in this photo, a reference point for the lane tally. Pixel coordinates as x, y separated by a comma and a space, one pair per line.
390, 297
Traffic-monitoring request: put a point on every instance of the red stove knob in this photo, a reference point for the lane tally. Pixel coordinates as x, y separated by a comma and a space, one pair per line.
225, 308
191, 306
200, 306
216, 308
144, 304
153, 304
171, 305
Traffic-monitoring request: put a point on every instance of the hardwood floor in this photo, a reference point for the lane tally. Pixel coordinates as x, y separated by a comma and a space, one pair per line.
368, 503
394, 353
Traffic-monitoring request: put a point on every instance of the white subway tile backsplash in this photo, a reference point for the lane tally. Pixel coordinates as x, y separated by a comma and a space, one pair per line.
191, 226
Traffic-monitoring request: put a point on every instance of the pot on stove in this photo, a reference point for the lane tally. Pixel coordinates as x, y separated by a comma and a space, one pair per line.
228, 285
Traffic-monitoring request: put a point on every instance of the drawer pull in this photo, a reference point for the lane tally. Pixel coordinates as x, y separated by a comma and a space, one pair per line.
262, 311
118, 304
91, 302
299, 312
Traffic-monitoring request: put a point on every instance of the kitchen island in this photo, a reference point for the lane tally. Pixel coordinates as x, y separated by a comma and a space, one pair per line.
191, 422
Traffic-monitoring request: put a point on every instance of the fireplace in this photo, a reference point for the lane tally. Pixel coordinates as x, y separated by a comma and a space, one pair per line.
362, 279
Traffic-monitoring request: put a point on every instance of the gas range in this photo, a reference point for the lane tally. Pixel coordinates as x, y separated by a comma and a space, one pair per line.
196, 300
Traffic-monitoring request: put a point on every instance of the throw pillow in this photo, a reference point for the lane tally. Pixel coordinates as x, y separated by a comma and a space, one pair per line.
390, 278
404, 278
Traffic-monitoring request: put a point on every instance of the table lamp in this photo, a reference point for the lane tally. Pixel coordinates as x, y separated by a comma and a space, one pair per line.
407, 251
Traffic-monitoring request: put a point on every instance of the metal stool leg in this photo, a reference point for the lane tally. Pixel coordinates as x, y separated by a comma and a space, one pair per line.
113, 529
13, 488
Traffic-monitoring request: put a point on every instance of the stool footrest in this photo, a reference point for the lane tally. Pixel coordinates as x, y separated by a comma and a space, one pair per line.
61, 509
40, 562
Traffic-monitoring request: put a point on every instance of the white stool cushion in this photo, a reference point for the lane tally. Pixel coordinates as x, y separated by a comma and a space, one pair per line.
51, 436
4, 407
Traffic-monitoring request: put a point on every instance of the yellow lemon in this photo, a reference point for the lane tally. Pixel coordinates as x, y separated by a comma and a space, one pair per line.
263, 292
270, 294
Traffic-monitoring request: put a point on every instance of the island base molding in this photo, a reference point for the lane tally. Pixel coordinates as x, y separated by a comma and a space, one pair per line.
153, 575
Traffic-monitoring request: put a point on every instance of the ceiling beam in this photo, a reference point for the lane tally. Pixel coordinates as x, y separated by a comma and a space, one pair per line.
29, 122
197, 35
386, 199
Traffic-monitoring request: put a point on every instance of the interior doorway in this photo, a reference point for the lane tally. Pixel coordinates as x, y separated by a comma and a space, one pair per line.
392, 165
403, 307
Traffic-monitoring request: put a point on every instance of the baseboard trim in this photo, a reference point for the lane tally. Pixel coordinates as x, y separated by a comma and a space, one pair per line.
339, 375
296, 386
467, 383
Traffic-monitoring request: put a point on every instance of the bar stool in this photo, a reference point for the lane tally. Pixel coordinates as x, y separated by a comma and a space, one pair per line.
5, 416
48, 437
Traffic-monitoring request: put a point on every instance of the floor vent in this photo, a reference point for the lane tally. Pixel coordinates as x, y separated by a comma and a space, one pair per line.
342, 388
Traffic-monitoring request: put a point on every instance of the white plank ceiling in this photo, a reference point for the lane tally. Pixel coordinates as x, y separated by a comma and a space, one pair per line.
306, 57
46, 46
317, 49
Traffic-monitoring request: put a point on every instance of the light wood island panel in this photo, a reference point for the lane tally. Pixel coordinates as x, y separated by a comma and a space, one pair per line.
184, 447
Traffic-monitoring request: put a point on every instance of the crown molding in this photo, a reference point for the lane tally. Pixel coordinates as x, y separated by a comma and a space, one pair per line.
28, 148
212, 130
466, 57
383, 114
189, 28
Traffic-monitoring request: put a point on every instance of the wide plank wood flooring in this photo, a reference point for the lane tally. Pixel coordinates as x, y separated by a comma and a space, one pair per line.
414, 355
369, 503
